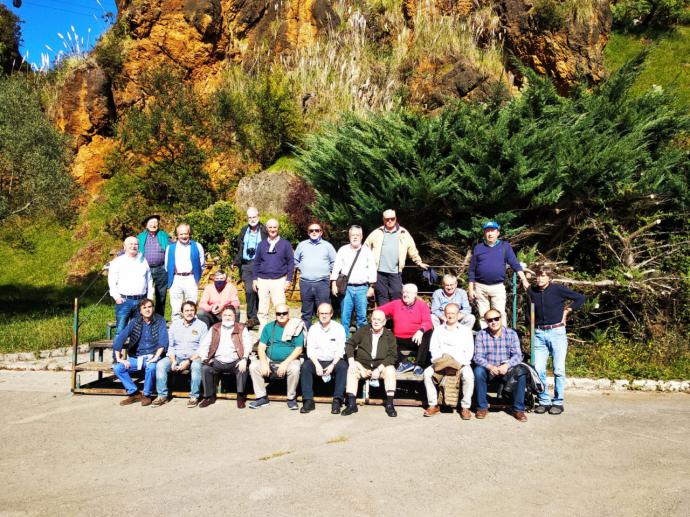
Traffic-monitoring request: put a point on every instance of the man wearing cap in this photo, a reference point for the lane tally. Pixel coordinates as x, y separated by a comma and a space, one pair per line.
314, 257
456, 341
391, 244
184, 262
496, 351
152, 244
129, 281
487, 272
450, 293
218, 294
550, 314
246, 244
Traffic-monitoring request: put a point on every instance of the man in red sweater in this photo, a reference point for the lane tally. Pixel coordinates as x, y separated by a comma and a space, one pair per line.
412, 328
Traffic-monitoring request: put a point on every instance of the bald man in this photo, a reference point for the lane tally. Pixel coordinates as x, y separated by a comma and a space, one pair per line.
130, 281
247, 242
184, 262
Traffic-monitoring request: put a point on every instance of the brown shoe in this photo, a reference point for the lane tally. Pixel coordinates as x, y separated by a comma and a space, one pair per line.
207, 402
192, 402
481, 413
433, 410
520, 416
241, 401
465, 414
146, 401
131, 399
159, 401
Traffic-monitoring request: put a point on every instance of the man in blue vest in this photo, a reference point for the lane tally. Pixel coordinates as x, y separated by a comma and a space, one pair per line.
184, 262
152, 244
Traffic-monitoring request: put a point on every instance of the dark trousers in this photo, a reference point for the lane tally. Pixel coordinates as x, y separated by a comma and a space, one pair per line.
160, 283
313, 293
209, 376
339, 375
481, 384
388, 287
421, 351
247, 270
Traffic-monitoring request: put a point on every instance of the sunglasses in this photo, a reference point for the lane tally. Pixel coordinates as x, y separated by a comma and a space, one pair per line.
314, 230
389, 218
282, 313
491, 320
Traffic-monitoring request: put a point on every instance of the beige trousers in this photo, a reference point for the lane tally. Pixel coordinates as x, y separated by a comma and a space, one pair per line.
260, 383
490, 297
357, 372
269, 291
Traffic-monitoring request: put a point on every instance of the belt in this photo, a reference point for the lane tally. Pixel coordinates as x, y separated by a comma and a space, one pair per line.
133, 297
247, 261
156, 265
357, 285
184, 274
549, 327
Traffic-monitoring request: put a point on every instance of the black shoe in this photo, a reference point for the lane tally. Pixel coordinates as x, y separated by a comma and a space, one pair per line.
540, 410
351, 406
556, 410
307, 406
390, 410
335, 406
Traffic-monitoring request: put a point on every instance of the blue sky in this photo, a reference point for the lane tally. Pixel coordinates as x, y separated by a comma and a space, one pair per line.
44, 19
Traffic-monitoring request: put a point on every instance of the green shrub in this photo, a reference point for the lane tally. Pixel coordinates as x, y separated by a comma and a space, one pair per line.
213, 226
109, 52
10, 36
548, 15
629, 14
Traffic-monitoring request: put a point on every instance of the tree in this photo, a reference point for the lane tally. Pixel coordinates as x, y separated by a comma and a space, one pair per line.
10, 37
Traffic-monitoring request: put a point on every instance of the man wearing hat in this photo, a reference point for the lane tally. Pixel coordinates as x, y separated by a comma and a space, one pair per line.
152, 244
487, 272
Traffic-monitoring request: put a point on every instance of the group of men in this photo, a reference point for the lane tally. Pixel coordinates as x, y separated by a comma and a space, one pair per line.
208, 339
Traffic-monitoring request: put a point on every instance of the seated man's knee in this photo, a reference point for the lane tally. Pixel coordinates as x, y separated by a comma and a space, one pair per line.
196, 366
428, 372
119, 368
152, 366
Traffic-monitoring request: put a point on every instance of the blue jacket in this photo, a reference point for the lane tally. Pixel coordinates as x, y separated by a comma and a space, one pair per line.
135, 330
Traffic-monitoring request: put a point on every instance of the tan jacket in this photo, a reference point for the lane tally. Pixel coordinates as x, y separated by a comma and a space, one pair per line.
406, 246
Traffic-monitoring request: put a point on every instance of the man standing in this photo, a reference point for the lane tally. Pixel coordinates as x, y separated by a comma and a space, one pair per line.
412, 328
148, 339
450, 293
487, 272
325, 351
457, 341
184, 337
391, 244
371, 353
280, 347
225, 348
314, 258
184, 262
550, 335
273, 268
152, 243
217, 295
129, 280
358, 261
496, 350
247, 243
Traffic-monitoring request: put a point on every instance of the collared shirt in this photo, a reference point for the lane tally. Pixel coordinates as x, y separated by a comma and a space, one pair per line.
226, 352
276, 349
375, 336
388, 263
315, 260
130, 276
456, 341
251, 241
153, 252
364, 271
184, 340
183, 257
439, 300
497, 350
325, 344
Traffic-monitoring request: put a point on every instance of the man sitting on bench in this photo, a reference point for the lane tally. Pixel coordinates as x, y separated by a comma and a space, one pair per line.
148, 340
371, 353
184, 337
496, 350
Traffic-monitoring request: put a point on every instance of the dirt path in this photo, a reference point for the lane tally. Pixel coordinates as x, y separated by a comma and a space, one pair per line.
608, 454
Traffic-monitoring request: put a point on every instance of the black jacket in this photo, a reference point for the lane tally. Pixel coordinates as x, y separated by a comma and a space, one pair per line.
359, 347
534, 383
239, 242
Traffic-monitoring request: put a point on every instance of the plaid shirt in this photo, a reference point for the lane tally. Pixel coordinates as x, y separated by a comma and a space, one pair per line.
153, 253
497, 350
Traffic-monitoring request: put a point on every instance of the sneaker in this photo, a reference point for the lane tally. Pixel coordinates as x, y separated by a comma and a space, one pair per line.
418, 371
146, 400
307, 406
159, 401
556, 410
258, 403
540, 410
432, 410
405, 367
292, 404
192, 402
131, 399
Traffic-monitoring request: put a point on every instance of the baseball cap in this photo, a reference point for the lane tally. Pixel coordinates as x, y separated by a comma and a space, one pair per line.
491, 225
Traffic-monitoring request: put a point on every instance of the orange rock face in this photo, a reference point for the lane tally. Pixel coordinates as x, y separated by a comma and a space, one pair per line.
90, 161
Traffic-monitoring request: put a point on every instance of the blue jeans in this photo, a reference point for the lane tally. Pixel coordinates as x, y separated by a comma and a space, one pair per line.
339, 376
124, 312
163, 369
355, 298
554, 342
123, 372
481, 383
313, 294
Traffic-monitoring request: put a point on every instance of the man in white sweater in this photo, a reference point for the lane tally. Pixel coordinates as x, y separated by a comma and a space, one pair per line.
457, 341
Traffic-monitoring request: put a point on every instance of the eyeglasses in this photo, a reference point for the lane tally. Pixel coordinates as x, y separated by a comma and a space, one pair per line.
314, 230
282, 313
491, 320
389, 218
